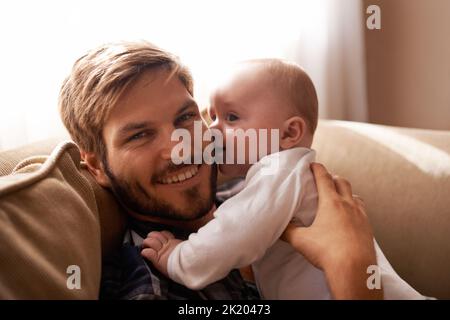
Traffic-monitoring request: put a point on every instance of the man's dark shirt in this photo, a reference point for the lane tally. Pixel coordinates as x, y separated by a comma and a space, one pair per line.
127, 275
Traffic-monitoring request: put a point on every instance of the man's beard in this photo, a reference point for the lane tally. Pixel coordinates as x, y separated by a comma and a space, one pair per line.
134, 197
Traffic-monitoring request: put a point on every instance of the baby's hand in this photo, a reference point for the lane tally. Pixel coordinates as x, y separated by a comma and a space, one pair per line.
157, 248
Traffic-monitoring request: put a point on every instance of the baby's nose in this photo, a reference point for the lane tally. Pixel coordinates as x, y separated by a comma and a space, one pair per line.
217, 125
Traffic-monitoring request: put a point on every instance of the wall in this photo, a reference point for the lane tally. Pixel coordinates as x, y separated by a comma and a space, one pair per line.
408, 64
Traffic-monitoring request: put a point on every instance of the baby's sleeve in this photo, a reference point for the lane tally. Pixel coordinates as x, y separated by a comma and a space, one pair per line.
244, 227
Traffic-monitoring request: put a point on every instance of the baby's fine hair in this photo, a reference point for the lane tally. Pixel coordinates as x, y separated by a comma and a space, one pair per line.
295, 84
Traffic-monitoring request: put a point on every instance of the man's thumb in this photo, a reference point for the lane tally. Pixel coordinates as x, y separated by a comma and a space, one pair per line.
293, 235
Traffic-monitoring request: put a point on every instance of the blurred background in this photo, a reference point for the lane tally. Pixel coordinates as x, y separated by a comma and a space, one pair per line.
398, 75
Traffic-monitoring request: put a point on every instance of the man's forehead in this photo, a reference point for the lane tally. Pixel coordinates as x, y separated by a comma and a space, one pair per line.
156, 91
154, 85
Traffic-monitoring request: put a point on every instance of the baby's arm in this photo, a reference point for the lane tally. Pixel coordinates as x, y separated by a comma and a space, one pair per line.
157, 248
243, 229
232, 240
238, 236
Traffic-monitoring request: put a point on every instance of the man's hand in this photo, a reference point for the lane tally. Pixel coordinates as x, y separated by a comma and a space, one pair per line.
158, 247
340, 240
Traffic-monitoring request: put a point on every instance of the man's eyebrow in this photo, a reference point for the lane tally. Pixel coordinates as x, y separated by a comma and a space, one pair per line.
133, 126
186, 105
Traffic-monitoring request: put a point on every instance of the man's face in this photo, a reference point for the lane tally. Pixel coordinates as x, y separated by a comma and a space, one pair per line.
137, 136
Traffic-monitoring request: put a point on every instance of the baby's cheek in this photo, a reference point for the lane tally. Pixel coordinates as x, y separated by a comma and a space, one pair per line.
268, 142
237, 151
245, 149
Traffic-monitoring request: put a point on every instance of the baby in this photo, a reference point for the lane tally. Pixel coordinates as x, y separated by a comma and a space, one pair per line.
262, 94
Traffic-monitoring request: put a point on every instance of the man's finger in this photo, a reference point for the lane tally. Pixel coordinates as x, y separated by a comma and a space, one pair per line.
343, 187
358, 200
292, 234
324, 181
360, 203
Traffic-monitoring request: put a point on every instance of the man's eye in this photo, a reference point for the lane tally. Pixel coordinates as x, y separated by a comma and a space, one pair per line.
232, 117
185, 117
138, 136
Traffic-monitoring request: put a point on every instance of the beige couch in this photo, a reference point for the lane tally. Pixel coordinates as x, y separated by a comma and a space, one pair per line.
53, 215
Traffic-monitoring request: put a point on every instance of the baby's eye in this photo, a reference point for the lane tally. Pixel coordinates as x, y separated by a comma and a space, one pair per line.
212, 115
231, 117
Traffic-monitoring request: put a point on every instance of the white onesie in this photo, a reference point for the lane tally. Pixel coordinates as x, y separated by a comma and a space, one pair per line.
246, 230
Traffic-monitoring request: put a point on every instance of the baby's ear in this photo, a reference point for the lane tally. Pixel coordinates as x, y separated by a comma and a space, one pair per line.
292, 133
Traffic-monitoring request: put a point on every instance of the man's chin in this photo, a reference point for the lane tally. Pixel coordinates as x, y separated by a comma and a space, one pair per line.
192, 204
185, 204
193, 212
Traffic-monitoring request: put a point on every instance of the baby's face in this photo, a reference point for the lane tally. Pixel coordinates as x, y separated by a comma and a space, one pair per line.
246, 100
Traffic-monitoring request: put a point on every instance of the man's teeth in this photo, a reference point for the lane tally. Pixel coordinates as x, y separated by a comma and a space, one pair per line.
179, 177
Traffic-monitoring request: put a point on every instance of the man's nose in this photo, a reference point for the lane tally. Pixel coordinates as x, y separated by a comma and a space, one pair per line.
166, 144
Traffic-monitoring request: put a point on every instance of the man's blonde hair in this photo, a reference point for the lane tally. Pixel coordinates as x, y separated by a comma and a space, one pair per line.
290, 80
97, 81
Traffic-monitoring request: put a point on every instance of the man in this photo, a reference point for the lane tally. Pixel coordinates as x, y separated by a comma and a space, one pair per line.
120, 104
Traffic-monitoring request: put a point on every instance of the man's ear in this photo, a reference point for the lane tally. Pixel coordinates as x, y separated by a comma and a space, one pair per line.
96, 168
293, 131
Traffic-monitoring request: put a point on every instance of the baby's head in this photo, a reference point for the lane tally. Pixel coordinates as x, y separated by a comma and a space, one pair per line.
266, 94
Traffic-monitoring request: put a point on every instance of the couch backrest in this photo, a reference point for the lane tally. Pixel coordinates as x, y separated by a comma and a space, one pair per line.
403, 175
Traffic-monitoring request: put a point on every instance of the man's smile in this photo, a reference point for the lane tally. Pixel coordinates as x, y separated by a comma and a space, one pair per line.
185, 175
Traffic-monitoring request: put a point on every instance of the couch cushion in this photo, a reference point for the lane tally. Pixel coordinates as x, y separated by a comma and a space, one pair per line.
49, 221
403, 175
10, 158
